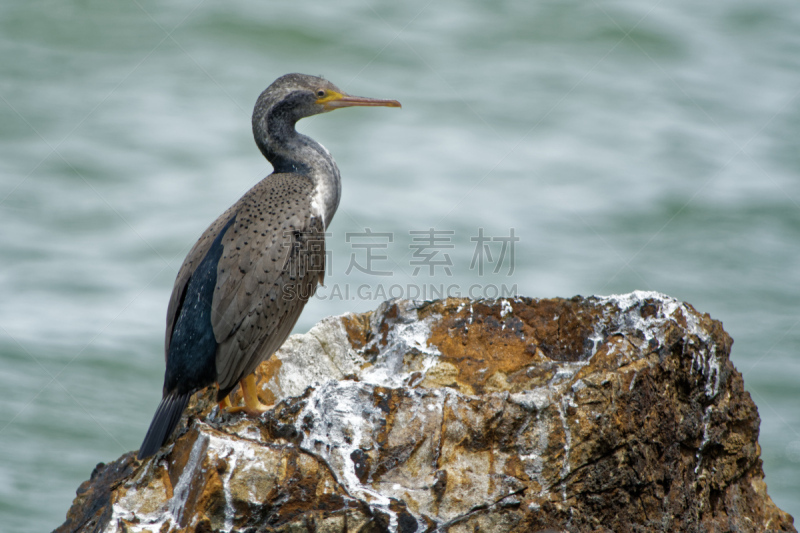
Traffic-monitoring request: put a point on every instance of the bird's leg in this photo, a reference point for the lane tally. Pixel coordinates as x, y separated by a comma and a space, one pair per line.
225, 403
252, 405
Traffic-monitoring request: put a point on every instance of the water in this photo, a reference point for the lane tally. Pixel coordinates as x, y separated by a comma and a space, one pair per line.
629, 145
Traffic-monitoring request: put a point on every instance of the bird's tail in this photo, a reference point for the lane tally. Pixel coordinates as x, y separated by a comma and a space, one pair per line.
164, 421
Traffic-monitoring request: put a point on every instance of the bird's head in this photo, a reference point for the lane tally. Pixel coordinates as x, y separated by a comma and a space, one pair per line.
295, 96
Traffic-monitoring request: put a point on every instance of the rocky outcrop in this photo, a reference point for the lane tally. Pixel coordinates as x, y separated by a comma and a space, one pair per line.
619, 413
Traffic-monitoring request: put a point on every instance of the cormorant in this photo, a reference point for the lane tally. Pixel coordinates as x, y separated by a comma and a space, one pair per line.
244, 283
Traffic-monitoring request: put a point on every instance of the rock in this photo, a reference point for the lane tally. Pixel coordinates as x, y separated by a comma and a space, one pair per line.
619, 413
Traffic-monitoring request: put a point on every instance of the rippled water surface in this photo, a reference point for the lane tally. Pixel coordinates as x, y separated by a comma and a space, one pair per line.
629, 145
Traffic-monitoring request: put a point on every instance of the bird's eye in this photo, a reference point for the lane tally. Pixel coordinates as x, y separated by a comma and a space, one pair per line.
321, 93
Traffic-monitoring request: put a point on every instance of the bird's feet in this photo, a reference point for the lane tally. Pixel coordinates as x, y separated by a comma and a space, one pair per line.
252, 405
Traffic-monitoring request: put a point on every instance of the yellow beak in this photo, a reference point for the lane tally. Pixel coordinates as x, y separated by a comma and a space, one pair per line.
334, 100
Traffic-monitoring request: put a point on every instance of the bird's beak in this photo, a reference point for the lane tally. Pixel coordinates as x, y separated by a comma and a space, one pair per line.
334, 100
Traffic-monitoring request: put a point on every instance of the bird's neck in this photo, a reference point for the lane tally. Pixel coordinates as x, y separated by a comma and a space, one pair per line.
292, 152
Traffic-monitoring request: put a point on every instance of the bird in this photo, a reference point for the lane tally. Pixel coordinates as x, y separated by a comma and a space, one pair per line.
244, 283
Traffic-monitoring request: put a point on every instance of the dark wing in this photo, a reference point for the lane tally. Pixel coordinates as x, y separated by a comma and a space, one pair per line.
190, 264
272, 260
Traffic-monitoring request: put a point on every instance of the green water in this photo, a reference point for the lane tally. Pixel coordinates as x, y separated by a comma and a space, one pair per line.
629, 145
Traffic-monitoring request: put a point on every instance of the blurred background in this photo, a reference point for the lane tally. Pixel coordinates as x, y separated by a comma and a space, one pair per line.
628, 145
